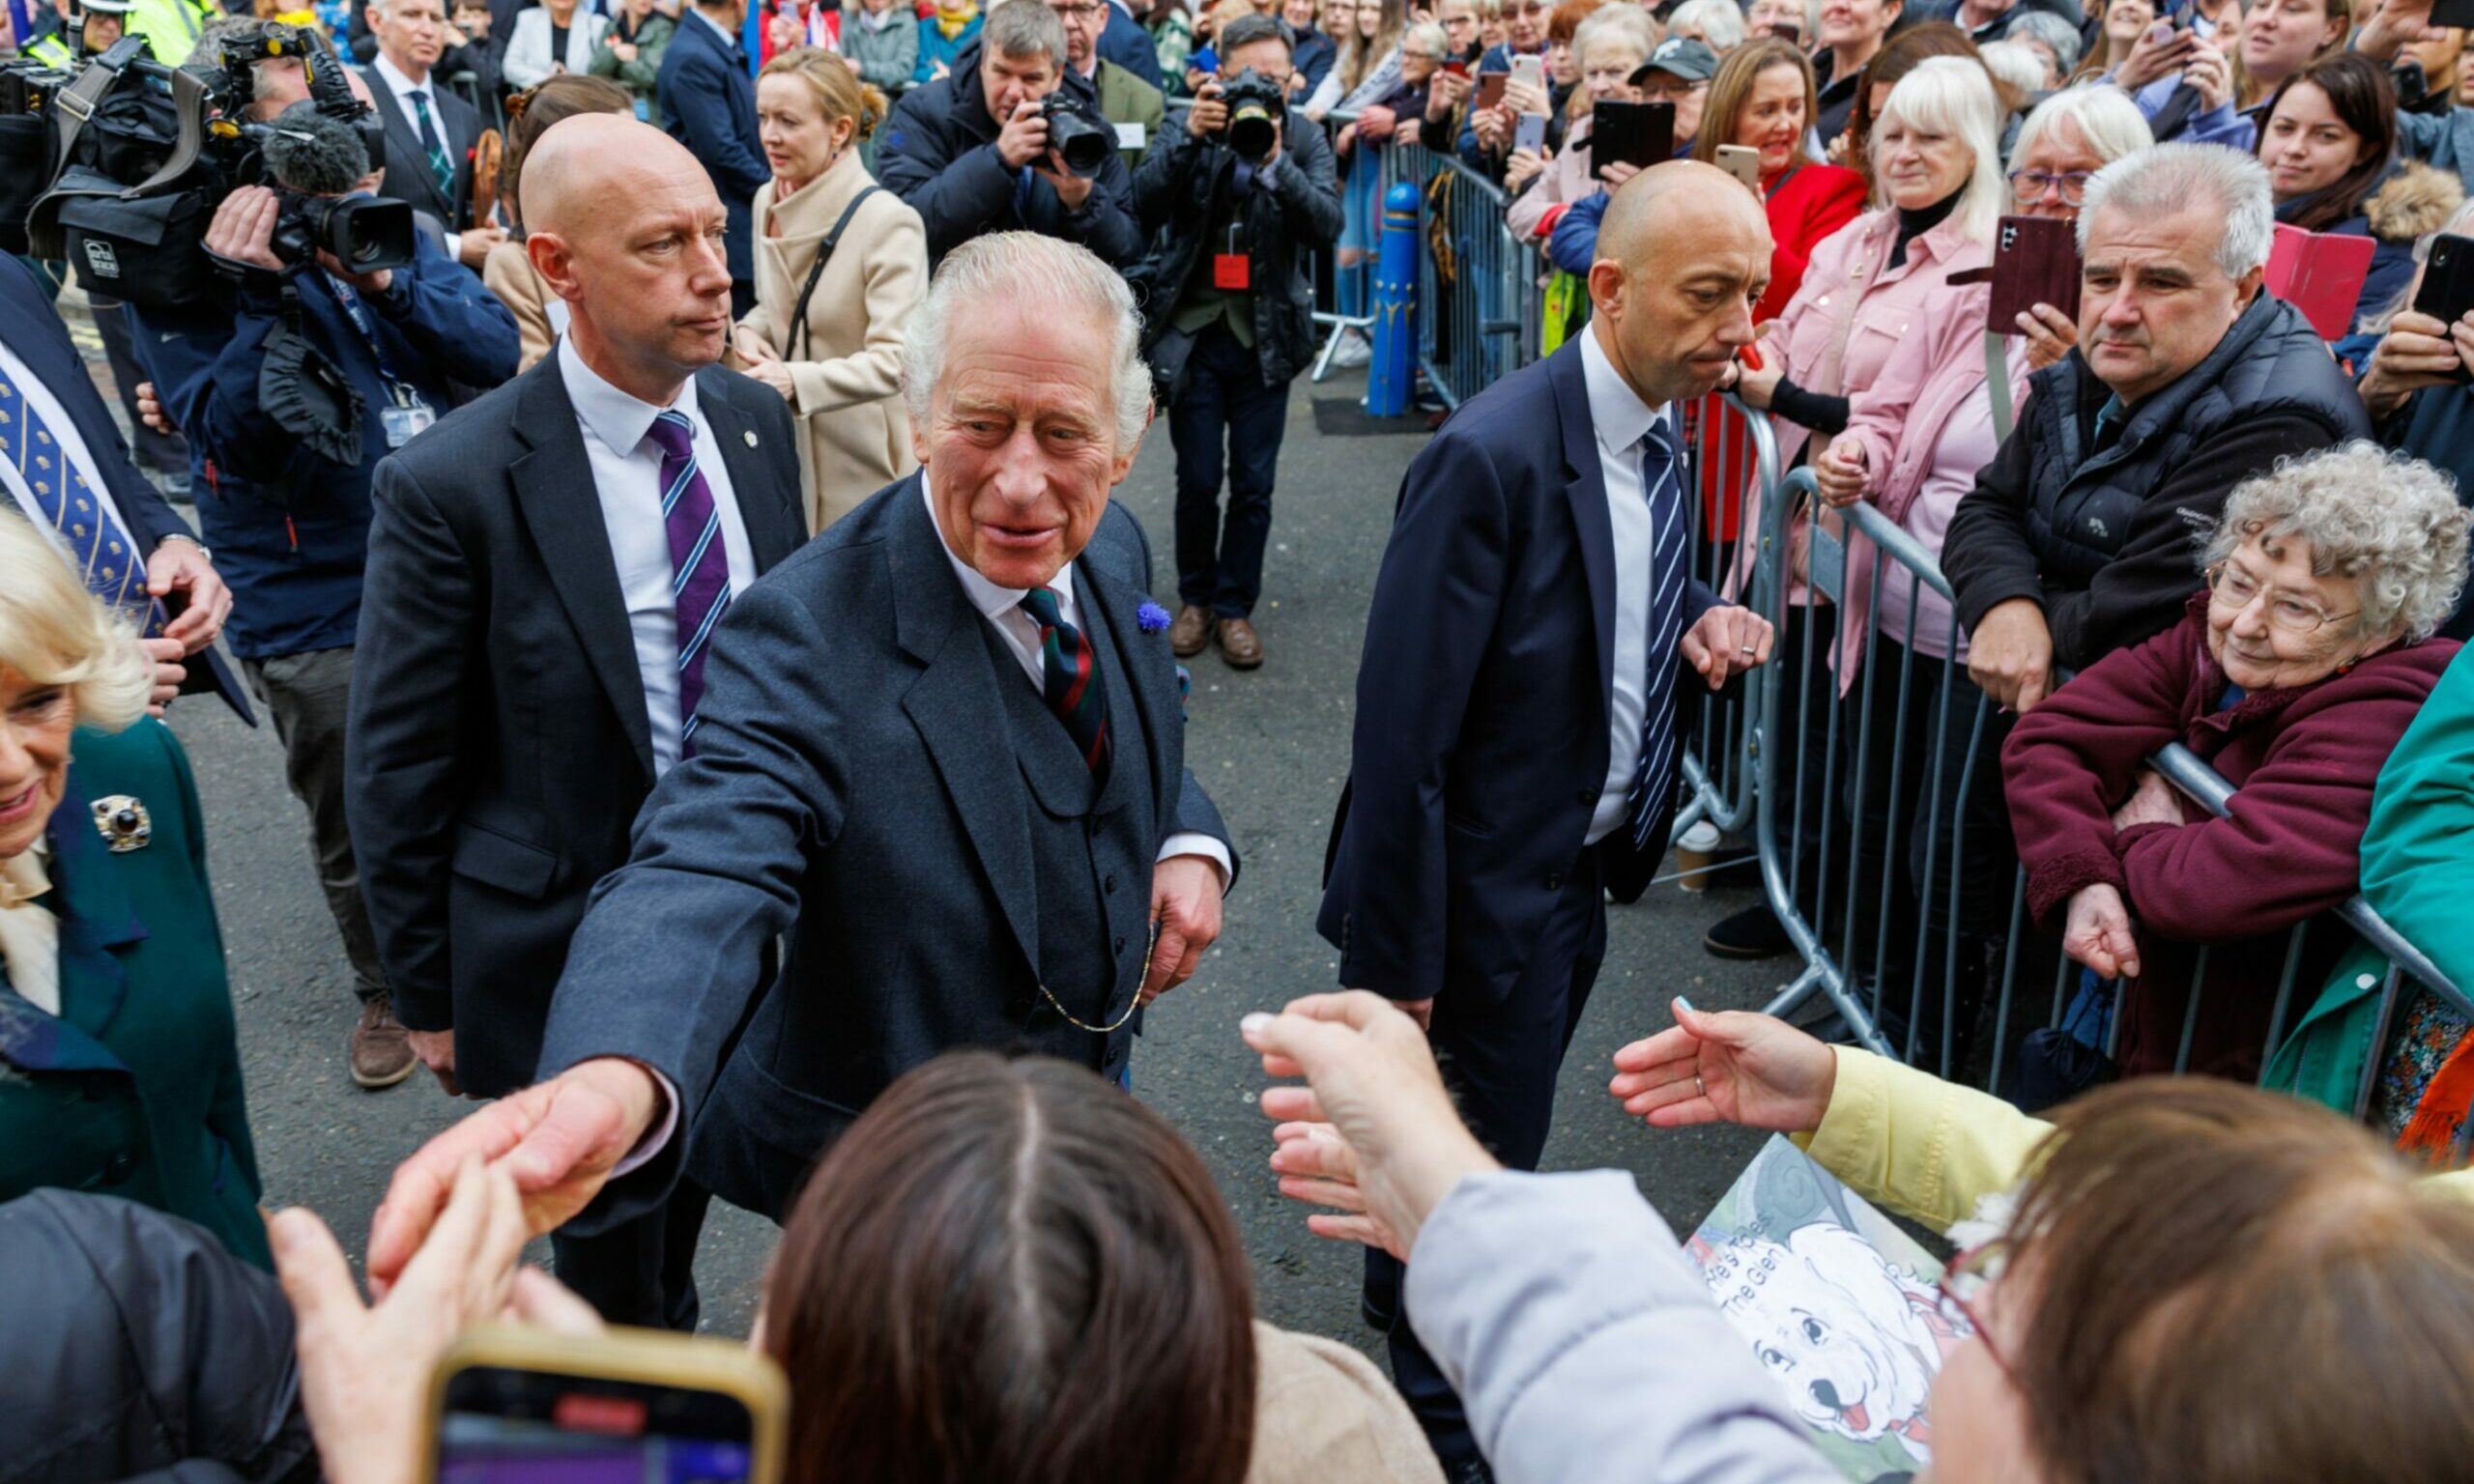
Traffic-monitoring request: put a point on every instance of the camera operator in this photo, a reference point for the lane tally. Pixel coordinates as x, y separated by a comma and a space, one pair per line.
1237, 200
985, 148
365, 359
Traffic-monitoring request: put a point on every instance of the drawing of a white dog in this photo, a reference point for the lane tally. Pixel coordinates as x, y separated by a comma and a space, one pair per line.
1846, 1333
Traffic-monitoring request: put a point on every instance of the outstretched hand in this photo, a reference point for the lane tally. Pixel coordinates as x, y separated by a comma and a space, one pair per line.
1734, 1067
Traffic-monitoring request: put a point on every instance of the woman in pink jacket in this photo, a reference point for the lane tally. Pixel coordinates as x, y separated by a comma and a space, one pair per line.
1878, 281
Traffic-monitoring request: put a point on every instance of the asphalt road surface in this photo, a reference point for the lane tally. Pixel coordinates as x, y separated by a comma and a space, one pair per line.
1271, 746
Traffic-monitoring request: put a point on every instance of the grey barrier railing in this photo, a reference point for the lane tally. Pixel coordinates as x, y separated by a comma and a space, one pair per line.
1908, 934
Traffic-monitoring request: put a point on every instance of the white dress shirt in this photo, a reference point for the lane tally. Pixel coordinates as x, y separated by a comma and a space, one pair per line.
55, 419
1002, 607
1620, 419
403, 86
626, 473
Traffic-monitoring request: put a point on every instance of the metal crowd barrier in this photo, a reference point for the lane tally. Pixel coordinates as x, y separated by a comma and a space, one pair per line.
1906, 935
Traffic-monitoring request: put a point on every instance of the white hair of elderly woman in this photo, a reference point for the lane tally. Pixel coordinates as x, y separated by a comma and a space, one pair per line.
53, 632
2059, 35
2389, 523
2164, 179
1017, 268
1953, 96
1717, 22
2107, 121
1628, 21
2014, 64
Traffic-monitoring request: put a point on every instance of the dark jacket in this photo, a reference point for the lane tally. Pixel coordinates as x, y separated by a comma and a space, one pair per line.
642, 77
2414, 200
409, 177
1310, 58
2436, 425
876, 776
1128, 44
1297, 214
707, 103
36, 336
2302, 761
300, 549
2102, 540
135, 1088
1482, 698
940, 156
499, 747
138, 1350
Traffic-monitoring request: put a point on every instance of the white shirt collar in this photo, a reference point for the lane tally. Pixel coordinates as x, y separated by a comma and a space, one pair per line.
619, 419
992, 601
397, 81
727, 38
1618, 412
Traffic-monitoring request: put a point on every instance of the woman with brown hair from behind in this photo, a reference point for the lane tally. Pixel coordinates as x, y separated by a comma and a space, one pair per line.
540, 316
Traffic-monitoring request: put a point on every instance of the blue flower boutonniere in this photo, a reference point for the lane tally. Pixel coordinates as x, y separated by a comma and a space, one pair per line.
1151, 617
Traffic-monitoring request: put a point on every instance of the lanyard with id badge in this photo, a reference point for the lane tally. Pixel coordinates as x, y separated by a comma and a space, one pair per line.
1232, 271
406, 415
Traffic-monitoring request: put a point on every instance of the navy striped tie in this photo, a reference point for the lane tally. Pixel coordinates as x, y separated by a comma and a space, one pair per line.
1670, 548
699, 561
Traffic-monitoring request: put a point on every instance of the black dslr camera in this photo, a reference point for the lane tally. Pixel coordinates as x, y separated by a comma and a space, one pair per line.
1084, 146
1254, 109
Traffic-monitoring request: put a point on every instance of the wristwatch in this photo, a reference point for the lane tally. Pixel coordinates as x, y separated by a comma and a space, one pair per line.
203, 554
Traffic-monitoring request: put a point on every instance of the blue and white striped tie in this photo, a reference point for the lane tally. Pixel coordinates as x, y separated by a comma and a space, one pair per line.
1670, 550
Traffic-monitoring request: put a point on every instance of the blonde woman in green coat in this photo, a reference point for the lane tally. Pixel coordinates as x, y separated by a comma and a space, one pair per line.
120, 1065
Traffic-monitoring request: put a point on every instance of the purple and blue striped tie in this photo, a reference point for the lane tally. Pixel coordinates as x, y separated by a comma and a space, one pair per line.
700, 564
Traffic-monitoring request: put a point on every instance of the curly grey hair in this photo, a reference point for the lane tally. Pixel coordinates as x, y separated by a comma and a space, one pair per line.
2389, 523
1000, 267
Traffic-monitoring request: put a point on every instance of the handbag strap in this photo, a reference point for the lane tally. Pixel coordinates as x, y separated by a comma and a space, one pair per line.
798, 335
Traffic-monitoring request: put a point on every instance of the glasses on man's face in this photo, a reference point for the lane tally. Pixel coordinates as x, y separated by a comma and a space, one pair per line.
1075, 11
1964, 1286
2234, 589
2032, 185
1670, 92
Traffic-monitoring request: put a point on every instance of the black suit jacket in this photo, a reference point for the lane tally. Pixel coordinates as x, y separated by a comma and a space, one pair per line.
1482, 699
709, 104
854, 786
36, 335
498, 745
409, 177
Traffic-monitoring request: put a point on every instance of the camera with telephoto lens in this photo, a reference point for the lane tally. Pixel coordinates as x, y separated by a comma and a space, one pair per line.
1255, 108
146, 153
1084, 146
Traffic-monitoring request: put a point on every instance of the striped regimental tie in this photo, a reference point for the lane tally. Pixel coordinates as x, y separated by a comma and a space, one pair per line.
1670, 544
699, 562
1071, 680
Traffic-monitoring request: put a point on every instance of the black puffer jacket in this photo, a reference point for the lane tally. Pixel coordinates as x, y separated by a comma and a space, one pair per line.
2105, 542
135, 1349
1287, 222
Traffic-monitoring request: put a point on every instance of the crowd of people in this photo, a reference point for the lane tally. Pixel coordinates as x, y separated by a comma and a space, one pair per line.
740, 740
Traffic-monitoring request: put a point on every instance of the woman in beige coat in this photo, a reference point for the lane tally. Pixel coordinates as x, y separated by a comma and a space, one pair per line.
828, 336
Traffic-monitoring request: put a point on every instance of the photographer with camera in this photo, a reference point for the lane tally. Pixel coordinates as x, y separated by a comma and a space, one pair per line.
1236, 202
325, 364
1012, 138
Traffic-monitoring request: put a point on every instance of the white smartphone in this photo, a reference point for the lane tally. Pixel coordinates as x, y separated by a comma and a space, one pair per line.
1530, 68
1741, 161
1530, 133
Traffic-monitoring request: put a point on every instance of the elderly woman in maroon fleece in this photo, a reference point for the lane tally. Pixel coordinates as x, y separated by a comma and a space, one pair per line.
2298, 667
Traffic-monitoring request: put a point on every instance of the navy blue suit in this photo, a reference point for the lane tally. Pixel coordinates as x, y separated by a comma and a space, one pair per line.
709, 104
36, 335
1129, 45
876, 776
1457, 870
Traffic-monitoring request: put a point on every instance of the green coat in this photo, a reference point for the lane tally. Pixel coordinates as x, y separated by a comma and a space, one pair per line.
2417, 875
1125, 98
135, 1089
637, 76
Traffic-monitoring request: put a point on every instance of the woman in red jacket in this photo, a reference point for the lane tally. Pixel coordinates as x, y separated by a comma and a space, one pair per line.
1762, 98
2301, 663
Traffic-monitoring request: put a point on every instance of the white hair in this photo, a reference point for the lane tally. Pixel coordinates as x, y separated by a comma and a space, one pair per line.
2166, 179
1717, 22
1954, 95
1064, 279
2059, 37
2011, 61
1427, 36
1627, 22
2389, 523
2109, 123
54, 631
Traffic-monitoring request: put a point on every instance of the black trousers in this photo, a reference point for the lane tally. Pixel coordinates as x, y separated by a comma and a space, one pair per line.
643, 1271
1226, 402
1500, 1062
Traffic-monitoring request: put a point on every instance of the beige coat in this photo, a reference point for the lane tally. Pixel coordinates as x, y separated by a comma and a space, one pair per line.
855, 434
1325, 1414
508, 274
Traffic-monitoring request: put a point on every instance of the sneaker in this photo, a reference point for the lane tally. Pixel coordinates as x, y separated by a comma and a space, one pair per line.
1355, 350
381, 1050
1189, 632
1754, 932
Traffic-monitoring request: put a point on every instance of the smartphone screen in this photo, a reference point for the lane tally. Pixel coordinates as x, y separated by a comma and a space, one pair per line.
1204, 61
505, 1426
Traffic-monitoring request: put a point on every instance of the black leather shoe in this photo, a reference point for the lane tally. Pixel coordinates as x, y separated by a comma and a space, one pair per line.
1755, 932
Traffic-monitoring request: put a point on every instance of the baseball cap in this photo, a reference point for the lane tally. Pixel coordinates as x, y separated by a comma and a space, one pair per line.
1679, 57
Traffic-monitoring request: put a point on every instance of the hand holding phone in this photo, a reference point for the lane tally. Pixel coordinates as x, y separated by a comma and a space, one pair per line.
2447, 290
1637, 134
1742, 161
1531, 69
1490, 89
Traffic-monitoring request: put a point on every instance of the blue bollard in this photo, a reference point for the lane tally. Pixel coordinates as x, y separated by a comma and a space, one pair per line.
1392, 375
